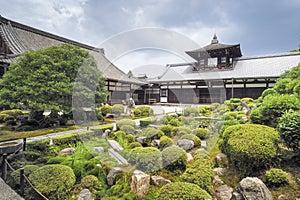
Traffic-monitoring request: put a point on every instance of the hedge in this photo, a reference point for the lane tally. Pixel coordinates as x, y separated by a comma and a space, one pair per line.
249, 147
183, 191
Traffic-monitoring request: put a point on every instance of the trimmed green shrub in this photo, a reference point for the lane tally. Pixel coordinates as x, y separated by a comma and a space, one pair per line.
174, 158
191, 111
122, 122
274, 107
105, 109
182, 130
183, 191
15, 112
205, 111
89, 182
130, 138
117, 109
128, 129
56, 160
143, 111
249, 147
134, 145
202, 133
200, 173
174, 122
28, 169
289, 129
152, 133
146, 159
282, 86
54, 181
167, 118
99, 130
277, 177
247, 100
165, 141
268, 91
147, 121
196, 140
223, 125
167, 129
3, 117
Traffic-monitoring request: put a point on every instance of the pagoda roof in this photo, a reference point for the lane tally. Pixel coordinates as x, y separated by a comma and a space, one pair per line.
21, 38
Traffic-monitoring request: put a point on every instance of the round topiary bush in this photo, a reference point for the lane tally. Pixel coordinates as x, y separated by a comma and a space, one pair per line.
123, 122
105, 109
28, 169
277, 177
205, 111
289, 129
182, 191
249, 147
196, 140
191, 111
143, 111
200, 173
134, 145
167, 129
202, 133
174, 158
128, 129
165, 141
174, 122
117, 109
268, 91
54, 181
146, 159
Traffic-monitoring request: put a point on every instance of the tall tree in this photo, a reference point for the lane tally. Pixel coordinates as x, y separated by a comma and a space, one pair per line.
45, 79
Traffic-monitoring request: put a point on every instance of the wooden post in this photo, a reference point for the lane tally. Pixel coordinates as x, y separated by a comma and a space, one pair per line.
22, 181
4, 167
24, 144
232, 93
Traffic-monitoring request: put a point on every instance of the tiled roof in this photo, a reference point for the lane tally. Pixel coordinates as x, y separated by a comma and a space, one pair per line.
270, 66
21, 38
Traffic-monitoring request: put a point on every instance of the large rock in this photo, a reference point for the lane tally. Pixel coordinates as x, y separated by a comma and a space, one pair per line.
254, 188
85, 194
111, 175
141, 140
204, 144
155, 143
185, 144
189, 157
140, 183
120, 159
67, 151
237, 196
158, 180
219, 171
221, 160
224, 192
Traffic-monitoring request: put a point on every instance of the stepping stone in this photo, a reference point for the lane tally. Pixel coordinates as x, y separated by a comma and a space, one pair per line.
120, 159
115, 145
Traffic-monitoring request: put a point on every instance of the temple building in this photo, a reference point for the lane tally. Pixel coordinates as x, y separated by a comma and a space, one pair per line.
219, 72
16, 38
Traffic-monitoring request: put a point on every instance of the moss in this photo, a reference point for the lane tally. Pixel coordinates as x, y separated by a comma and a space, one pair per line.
143, 111
54, 181
165, 141
147, 121
167, 129
202, 133
134, 145
183, 191
277, 177
117, 109
28, 169
127, 129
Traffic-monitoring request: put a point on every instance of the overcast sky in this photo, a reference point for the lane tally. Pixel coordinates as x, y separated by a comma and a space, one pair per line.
260, 26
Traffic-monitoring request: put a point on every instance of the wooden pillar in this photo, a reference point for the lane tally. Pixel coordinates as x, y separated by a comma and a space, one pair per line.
244, 89
4, 167
24, 144
22, 183
232, 91
267, 83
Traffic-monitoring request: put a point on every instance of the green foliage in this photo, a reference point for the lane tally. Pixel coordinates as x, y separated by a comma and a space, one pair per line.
202, 133
28, 169
249, 147
167, 129
15, 112
174, 158
165, 141
134, 145
191, 111
117, 109
277, 177
147, 121
105, 109
194, 138
44, 79
200, 173
3, 117
289, 129
183, 191
121, 190
146, 159
174, 122
123, 122
282, 86
182, 130
167, 118
54, 181
91, 183
127, 129
205, 111
143, 111
274, 107
152, 133
223, 125
268, 91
